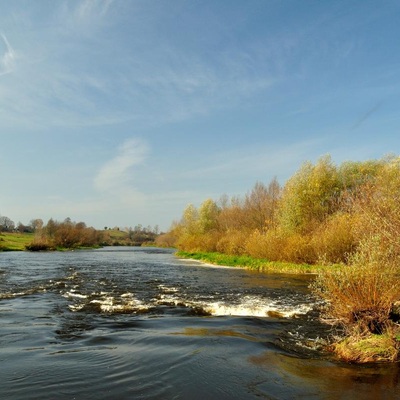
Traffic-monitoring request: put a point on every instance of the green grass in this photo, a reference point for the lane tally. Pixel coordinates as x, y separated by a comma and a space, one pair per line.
257, 264
372, 348
14, 241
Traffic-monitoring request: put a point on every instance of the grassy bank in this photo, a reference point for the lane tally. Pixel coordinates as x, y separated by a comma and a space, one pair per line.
256, 264
14, 241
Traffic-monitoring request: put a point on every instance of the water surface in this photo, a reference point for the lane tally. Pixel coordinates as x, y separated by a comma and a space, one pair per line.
138, 323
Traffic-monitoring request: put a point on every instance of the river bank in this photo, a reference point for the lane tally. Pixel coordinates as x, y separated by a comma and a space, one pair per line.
255, 264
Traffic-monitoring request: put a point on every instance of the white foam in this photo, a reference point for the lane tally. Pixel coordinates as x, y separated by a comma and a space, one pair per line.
73, 294
168, 289
248, 306
110, 304
252, 306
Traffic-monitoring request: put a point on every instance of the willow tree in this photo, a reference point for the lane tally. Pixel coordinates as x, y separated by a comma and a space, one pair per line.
188, 229
190, 220
310, 195
208, 216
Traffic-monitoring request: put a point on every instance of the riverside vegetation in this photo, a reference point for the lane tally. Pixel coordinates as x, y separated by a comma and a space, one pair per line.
345, 218
68, 234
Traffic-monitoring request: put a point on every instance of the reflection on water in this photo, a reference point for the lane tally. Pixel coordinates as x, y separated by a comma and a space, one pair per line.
323, 379
138, 323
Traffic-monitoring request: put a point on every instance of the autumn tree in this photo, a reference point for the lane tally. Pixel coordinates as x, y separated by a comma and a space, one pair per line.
309, 196
190, 220
261, 205
51, 228
208, 216
232, 214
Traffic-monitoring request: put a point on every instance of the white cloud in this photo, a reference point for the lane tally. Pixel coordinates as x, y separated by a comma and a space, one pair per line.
116, 173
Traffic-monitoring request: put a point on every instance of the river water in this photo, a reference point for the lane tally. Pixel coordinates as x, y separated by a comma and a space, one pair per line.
139, 323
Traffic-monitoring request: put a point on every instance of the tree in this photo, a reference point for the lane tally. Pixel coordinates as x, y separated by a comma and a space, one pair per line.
261, 205
190, 219
6, 224
354, 174
232, 216
36, 224
208, 216
310, 195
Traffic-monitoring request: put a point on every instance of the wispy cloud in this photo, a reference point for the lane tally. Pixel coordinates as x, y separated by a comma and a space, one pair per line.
7, 60
81, 69
83, 16
117, 172
237, 169
89, 7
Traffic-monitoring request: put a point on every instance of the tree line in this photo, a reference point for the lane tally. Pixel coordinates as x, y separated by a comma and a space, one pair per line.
320, 215
8, 225
68, 234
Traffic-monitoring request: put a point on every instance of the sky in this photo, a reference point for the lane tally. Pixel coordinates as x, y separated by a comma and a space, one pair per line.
122, 112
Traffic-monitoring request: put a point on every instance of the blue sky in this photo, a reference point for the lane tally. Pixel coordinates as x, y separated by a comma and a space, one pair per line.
117, 112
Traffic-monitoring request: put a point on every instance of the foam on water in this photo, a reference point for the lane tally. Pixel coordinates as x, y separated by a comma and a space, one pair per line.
255, 310
72, 293
245, 306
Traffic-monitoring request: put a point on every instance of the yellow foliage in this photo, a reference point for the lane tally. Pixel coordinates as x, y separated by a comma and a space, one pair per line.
269, 245
298, 249
334, 240
232, 242
322, 215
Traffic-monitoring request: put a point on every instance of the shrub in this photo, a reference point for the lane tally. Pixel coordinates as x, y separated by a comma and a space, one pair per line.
269, 245
207, 241
233, 242
38, 244
276, 245
334, 241
166, 240
298, 249
188, 242
360, 296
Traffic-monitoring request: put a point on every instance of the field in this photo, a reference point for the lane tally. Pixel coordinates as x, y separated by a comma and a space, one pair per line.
14, 241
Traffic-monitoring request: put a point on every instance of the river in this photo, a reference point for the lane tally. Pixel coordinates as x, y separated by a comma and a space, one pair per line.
139, 323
